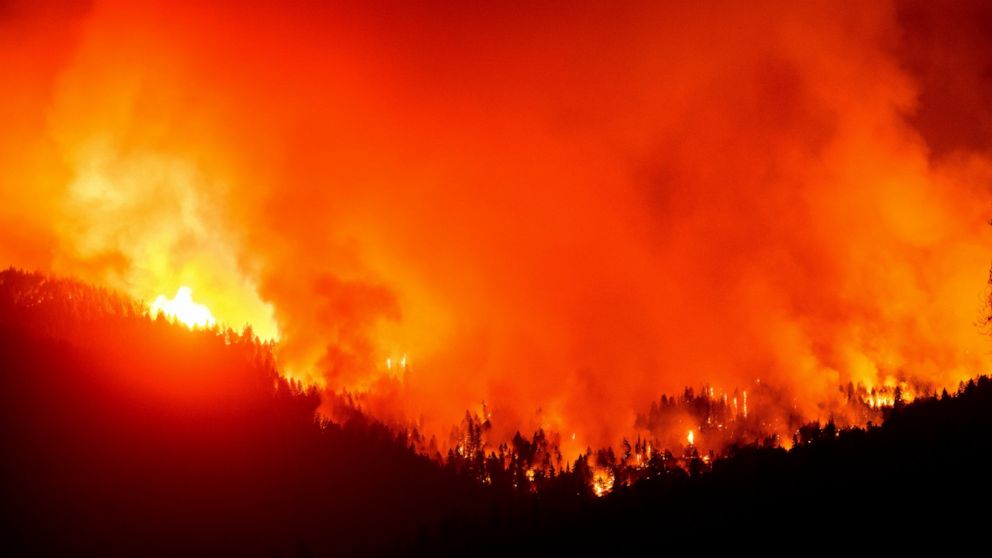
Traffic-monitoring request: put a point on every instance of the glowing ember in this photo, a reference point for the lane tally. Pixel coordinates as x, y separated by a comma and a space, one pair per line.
181, 308
602, 481
390, 361
691, 437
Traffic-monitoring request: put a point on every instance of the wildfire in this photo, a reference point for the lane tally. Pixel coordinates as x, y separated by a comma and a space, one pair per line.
402, 362
602, 481
181, 308
341, 228
691, 437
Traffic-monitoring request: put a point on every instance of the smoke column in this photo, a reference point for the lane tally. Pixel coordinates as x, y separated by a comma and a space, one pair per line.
561, 211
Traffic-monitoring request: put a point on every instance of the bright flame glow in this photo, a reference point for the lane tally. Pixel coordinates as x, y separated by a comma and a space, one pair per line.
400, 363
602, 481
181, 308
691, 437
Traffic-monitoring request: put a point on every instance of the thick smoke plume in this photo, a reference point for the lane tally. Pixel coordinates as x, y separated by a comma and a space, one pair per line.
560, 211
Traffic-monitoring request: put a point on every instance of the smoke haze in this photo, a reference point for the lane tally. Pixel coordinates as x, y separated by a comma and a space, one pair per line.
562, 211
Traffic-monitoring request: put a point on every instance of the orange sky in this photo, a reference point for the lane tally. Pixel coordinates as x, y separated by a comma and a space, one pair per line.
562, 210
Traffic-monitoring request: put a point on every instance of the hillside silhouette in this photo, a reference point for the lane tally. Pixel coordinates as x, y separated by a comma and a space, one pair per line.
131, 436
125, 435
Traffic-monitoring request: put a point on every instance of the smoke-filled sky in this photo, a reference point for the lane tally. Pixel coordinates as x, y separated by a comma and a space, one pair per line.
562, 210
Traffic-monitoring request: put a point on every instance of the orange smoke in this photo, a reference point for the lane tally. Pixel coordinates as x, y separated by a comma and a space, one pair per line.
558, 214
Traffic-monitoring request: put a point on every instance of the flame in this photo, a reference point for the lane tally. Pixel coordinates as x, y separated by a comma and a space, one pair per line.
859, 244
401, 363
181, 308
691, 437
602, 481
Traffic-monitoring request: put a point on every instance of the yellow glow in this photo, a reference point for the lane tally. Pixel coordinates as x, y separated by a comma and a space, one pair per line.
602, 481
691, 437
400, 363
181, 308
158, 211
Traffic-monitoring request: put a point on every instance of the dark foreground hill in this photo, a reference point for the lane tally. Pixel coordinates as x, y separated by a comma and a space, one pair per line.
123, 435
